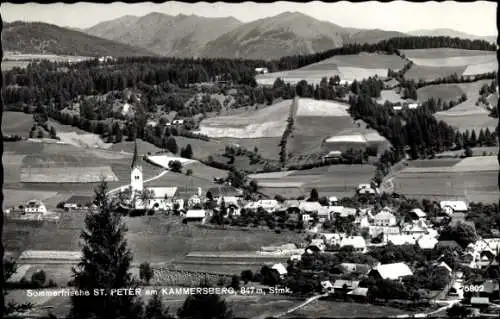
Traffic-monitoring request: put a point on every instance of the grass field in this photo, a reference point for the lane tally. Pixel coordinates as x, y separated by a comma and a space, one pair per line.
17, 123
348, 67
143, 147
9, 65
75, 174
481, 68
445, 92
311, 107
472, 178
430, 73
333, 180
143, 236
265, 122
466, 115
436, 53
333, 309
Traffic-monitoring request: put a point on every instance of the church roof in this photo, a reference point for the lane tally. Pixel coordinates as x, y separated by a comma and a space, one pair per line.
136, 161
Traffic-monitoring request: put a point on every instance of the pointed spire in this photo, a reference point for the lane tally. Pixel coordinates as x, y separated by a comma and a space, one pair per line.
136, 160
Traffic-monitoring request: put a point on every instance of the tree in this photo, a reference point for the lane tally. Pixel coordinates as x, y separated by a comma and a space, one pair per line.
458, 311
105, 264
146, 272
39, 278
207, 306
468, 151
155, 309
189, 172
314, 196
53, 133
171, 145
175, 166
188, 152
246, 276
235, 282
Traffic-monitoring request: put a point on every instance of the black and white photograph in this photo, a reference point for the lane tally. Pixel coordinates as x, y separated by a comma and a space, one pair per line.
200, 160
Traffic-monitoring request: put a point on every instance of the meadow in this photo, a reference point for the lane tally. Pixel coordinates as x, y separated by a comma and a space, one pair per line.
143, 236
474, 179
347, 67
333, 180
17, 123
431, 64
334, 309
466, 115
264, 122
9, 65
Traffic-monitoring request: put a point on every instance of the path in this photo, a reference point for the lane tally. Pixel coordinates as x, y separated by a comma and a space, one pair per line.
303, 304
145, 181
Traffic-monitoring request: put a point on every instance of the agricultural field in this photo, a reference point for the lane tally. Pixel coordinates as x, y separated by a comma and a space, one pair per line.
204, 171
143, 147
268, 147
430, 64
466, 115
334, 309
333, 180
17, 123
445, 92
431, 73
9, 65
265, 122
347, 67
144, 234
474, 179
78, 174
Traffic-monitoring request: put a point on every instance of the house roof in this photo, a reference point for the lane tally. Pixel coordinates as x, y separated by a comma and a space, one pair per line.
401, 239
280, 268
420, 213
339, 284
80, 199
355, 241
394, 271
490, 286
427, 242
359, 291
444, 265
326, 284
392, 82
195, 213
457, 206
480, 300
384, 215
310, 206
360, 268
292, 203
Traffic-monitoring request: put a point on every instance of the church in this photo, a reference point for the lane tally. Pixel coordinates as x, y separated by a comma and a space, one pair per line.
155, 198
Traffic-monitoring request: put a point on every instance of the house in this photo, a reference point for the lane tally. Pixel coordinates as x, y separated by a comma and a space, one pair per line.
358, 294
480, 302
414, 230
35, 207
310, 207
195, 215
333, 200
77, 201
445, 266
400, 240
357, 242
306, 218
374, 231
281, 269
333, 155
324, 214
393, 271
450, 207
417, 214
355, 268
384, 218
344, 286
327, 286
261, 70
391, 84
316, 245
331, 238
427, 242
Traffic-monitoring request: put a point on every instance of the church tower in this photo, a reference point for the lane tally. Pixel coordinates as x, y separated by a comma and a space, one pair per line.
136, 181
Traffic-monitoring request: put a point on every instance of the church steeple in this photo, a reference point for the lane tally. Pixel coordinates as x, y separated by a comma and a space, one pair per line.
136, 161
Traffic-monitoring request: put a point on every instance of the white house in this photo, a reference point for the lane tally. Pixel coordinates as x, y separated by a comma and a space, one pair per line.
261, 70
400, 240
310, 207
450, 207
427, 242
417, 213
384, 218
393, 271
357, 242
35, 207
195, 214
281, 269
331, 238
306, 218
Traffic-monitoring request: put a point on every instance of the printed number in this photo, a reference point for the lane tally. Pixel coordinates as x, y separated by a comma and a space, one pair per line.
474, 288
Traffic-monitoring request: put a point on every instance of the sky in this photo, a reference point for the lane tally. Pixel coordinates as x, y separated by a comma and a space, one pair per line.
476, 18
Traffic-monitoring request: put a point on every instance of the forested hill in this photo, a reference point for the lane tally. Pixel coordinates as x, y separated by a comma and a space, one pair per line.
43, 38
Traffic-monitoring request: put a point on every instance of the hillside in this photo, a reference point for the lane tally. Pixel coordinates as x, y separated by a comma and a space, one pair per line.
273, 37
451, 33
180, 36
43, 38
371, 36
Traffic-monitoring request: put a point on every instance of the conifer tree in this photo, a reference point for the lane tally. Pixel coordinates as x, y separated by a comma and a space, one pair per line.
105, 264
155, 309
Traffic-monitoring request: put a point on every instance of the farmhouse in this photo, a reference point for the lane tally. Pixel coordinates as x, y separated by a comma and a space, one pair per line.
261, 70
384, 218
280, 269
344, 286
35, 207
417, 214
357, 242
391, 84
393, 271
451, 207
